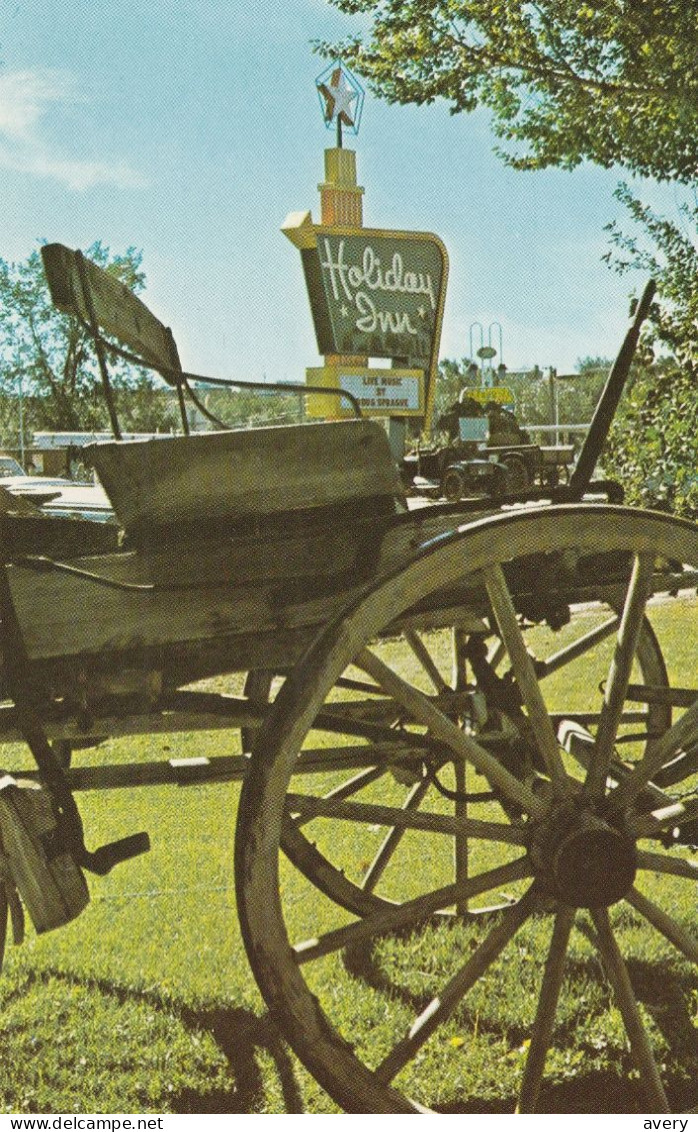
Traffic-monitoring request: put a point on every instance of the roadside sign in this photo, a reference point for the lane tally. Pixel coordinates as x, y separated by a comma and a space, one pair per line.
380, 392
497, 393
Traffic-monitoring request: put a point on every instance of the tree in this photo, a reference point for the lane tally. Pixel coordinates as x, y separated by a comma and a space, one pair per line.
453, 376
666, 250
576, 395
609, 81
653, 446
46, 357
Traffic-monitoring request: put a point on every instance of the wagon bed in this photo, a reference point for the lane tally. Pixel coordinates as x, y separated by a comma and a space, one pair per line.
430, 664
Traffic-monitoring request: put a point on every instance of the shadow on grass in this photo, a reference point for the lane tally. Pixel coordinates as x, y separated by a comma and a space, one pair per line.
595, 1092
605, 1091
239, 1034
258, 1065
659, 987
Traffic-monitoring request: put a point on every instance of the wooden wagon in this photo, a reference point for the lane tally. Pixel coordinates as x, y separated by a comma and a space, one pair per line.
479, 700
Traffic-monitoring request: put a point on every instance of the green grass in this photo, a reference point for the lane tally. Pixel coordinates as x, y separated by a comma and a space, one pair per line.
145, 1003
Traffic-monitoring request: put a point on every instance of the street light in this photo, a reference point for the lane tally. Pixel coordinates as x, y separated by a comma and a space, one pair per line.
487, 353
473, 351
498, 327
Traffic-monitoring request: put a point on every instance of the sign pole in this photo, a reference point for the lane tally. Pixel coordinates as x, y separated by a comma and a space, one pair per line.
373, 293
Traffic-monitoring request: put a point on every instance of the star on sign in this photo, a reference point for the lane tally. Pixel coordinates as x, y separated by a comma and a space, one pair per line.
338, 97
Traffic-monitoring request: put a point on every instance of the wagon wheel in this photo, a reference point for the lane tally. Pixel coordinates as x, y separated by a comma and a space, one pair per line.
372, 717
453, 485
516, 472
568, 847
436, 661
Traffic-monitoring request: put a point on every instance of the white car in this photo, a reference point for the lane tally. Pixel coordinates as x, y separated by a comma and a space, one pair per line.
56, 495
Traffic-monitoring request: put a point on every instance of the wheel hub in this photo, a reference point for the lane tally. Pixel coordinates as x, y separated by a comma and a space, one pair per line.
587, 862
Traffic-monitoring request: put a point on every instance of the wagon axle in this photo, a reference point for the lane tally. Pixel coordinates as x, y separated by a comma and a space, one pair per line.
585, 861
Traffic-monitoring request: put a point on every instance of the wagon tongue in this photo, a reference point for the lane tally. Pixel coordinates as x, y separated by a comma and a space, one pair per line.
610, 398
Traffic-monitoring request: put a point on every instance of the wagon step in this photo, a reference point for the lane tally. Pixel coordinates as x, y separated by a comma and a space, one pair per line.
101, 861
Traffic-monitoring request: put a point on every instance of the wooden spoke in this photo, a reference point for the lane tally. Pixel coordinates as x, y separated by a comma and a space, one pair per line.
663, 863
686, 943
461, 851
577, 648
497, 655
383, 857
426, 660
524, 671
678, 769
441, 1007
619, 673
411, 912
307, 805
682, 736
672, 697
322, 760
673, 814
348, 789
619, 979
545, 1014
354, 685
461, 848
447, 732
358, 782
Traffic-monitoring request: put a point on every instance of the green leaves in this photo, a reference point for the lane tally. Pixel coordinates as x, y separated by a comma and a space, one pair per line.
653, 446
565, 81
47, 357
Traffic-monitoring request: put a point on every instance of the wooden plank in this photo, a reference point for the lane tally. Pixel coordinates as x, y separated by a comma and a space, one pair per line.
64, 614
117, 309
223, 477
121, 726
220, 768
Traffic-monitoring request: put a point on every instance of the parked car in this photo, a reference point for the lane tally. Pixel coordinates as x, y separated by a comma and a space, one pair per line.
56, 495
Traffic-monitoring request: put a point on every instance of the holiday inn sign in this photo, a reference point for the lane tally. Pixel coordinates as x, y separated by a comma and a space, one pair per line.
373, 293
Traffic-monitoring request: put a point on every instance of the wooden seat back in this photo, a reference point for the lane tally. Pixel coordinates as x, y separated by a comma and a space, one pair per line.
83, 289
210, 480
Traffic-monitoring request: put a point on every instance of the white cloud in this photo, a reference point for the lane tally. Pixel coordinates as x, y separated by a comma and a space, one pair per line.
25, 100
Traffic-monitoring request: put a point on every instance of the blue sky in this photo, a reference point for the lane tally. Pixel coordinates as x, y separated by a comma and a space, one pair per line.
190, 130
